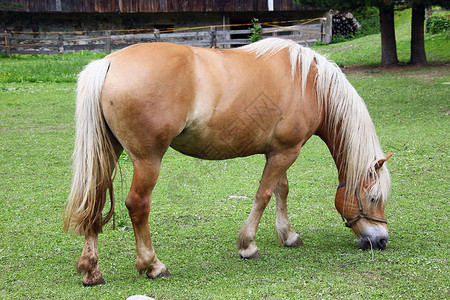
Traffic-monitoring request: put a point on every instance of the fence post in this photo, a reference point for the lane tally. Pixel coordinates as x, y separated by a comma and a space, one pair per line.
328, 29
213, 40
60, 43
107, 41
157, 36
7, 44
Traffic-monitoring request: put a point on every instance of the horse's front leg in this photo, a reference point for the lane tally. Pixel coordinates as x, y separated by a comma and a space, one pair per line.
88, 262
276, 165
138, 203
286, 235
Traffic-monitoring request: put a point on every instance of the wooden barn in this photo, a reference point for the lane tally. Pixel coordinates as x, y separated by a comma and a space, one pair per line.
220, 23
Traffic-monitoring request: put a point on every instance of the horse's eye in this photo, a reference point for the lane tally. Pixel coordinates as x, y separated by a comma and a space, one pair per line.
373, 199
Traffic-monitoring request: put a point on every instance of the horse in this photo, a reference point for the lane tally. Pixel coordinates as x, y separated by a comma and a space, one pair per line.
267, 98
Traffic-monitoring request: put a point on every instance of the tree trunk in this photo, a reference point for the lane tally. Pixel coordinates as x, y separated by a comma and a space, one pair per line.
418, 56
388, 45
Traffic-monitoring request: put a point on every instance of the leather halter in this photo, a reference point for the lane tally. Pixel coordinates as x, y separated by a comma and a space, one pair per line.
362, 213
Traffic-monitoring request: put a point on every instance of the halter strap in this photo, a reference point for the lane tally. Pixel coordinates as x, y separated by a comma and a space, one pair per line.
362, 213
342, 185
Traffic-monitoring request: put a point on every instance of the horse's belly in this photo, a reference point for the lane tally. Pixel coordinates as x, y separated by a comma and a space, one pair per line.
235, 140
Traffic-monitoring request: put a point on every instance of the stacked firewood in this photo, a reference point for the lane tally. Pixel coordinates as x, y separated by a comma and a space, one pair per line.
344, 24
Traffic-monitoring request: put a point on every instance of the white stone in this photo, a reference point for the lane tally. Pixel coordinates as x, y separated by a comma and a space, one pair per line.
140, 297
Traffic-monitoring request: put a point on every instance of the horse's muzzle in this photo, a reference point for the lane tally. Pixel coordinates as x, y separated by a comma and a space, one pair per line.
375, 242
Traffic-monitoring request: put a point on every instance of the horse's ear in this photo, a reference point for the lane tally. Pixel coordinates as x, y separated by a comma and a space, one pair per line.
381, 161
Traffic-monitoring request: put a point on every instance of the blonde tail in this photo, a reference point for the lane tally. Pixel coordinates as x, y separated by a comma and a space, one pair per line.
93, 160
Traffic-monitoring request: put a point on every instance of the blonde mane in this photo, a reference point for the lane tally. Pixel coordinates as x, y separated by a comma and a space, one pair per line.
346, 117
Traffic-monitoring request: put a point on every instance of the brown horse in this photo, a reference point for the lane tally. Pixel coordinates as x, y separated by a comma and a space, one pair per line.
266, 98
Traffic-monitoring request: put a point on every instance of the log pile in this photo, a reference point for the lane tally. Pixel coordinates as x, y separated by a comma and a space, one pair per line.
344, 24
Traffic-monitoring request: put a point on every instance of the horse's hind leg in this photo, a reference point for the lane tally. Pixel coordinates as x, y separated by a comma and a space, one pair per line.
286, 235
276, 165
138, 204
88, 262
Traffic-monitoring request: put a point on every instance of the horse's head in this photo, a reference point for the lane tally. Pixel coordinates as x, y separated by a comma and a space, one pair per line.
364, 208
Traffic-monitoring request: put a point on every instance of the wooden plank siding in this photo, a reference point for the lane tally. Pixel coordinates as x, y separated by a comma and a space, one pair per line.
152, 6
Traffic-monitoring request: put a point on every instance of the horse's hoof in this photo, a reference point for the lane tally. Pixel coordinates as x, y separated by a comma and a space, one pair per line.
166, 273
152, 275
293, 240
296, 244
250, 251
94, 283
255, 255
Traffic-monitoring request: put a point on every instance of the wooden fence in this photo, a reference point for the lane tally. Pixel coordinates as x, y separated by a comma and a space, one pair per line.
15, 42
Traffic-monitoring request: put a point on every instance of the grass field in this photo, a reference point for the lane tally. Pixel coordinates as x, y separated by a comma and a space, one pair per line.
195, 223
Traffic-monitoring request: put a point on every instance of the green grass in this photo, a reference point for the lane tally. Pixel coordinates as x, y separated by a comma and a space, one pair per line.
193, 222
44, 68
366, 51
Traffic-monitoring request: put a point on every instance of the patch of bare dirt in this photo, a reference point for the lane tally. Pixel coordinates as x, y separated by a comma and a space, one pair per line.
428, 72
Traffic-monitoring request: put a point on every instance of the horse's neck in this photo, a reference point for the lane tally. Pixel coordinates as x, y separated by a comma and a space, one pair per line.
336, 153
347, 128
352, 150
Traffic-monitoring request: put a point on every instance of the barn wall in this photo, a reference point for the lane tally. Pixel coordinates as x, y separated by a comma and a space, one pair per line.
154, 6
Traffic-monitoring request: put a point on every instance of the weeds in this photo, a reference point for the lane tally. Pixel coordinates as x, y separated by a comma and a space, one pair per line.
438, 24
256, 30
